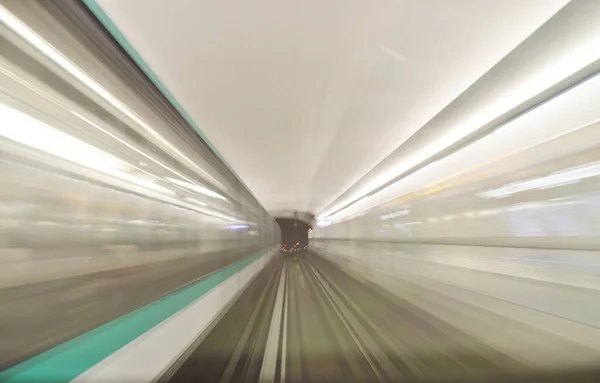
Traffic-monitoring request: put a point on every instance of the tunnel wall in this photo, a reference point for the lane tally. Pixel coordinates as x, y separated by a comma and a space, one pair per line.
115, 217
508, 252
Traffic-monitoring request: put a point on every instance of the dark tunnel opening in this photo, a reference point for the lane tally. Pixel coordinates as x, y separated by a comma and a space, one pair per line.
294, 234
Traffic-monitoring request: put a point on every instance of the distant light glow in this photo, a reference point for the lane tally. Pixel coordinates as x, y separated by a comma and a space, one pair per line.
323, 223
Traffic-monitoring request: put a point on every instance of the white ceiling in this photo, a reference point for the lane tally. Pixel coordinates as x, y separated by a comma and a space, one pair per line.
303, 98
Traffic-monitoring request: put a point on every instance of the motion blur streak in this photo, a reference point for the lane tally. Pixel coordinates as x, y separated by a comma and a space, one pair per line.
131, 252
90, 229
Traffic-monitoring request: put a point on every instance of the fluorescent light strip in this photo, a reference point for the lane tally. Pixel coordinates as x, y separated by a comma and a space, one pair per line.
554, 180
49, 51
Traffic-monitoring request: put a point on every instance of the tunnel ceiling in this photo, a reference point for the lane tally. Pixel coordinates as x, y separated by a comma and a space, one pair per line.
304, 98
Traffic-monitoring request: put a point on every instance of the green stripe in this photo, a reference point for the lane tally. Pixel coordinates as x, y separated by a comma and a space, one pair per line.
97, 10
70, 359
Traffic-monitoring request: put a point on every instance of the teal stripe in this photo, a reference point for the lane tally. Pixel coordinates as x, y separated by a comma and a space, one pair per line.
126, 45
70, 359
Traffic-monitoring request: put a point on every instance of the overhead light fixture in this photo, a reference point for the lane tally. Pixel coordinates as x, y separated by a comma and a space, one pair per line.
196, 188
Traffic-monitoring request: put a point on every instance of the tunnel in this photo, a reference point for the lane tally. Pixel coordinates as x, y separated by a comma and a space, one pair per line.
294, 234
311, 191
